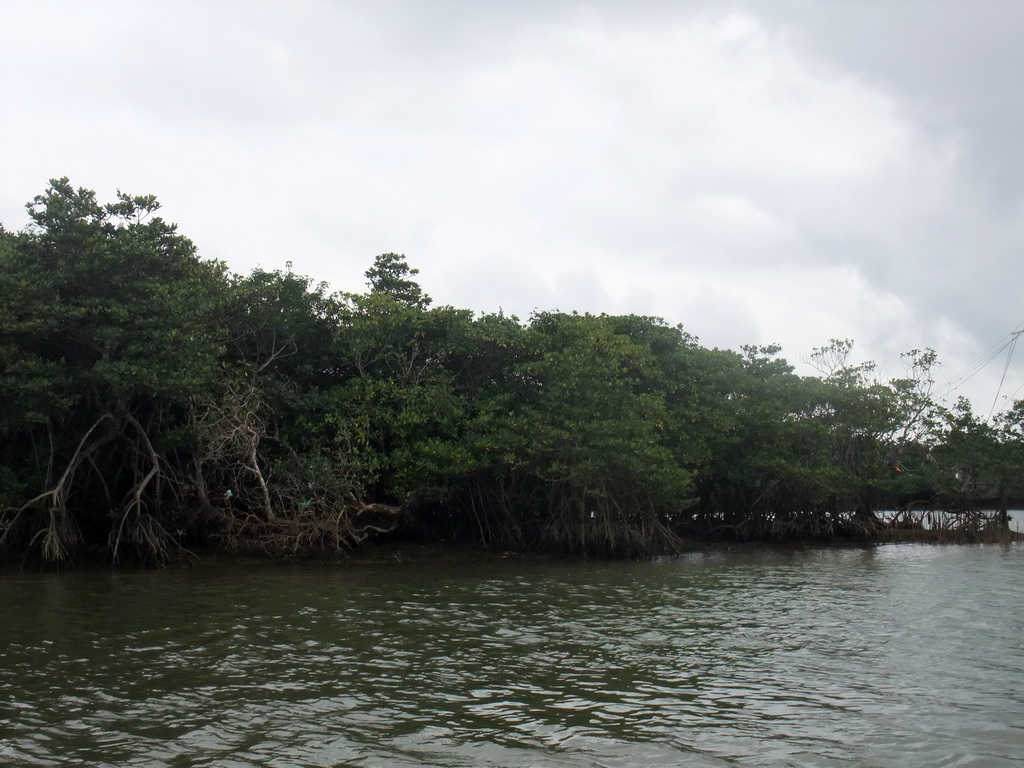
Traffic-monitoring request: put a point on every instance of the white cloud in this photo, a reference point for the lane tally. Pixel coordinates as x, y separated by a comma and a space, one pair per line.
698, 162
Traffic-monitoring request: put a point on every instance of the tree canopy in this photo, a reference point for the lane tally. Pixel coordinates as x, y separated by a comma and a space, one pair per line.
155, 401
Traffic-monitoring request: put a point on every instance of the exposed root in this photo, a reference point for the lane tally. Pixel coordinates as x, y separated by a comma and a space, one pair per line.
311, 527
51, 523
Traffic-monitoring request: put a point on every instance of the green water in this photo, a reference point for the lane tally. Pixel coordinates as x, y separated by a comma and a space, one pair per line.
894, 656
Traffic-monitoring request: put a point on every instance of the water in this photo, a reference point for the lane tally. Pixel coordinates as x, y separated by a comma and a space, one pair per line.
893, 656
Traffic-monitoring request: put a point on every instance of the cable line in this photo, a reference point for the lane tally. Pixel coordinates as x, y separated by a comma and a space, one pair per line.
982, 361
1009, 355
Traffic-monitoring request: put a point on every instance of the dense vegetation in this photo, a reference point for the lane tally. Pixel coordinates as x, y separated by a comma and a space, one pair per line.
154, 401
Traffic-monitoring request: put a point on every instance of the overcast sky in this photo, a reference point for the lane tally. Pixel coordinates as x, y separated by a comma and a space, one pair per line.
784, 171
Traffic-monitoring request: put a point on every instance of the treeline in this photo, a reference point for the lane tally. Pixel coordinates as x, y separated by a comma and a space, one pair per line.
153, 401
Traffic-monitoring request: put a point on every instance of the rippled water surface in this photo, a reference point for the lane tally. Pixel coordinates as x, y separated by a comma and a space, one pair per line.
895, 656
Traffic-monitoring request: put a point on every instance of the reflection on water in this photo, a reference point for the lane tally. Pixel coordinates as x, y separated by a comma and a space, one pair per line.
895, 656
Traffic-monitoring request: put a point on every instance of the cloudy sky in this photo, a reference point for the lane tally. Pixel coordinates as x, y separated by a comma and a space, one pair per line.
784, 171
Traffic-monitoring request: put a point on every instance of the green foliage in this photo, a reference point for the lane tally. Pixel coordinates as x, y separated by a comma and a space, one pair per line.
99, 290
156, 400
107, 327
980, 462
390, 276
569, 440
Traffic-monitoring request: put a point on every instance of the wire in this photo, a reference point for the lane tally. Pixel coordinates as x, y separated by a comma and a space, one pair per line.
1009, 355
1014, 395
982, 361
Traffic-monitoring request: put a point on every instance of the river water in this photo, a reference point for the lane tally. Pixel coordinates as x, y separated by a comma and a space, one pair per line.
889, 656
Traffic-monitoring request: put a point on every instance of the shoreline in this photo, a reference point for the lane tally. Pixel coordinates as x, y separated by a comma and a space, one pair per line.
410, 552
406, 552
